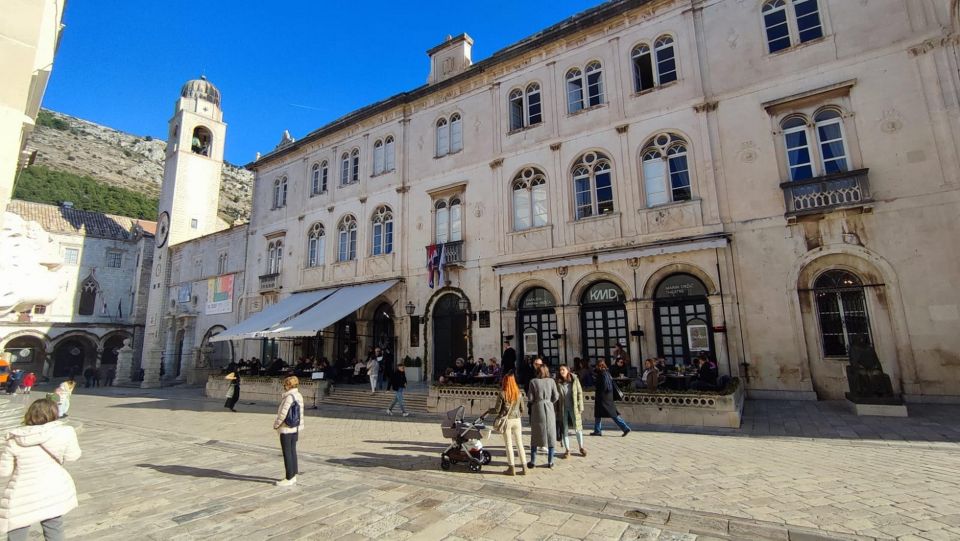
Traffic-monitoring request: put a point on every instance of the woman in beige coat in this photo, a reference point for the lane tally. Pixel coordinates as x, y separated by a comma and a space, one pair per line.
289, 434
40, 489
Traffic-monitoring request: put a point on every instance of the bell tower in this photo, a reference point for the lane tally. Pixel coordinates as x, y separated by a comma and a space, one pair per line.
189, 200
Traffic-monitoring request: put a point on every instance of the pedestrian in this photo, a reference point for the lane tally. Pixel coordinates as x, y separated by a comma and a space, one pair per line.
97, 376
39, 489
373, 372
570, 409
233, 391
65, 391
289, 423
398, 382
28, 382
88, 376
509, 410
603, 405
543, 395
508, 364
111, 375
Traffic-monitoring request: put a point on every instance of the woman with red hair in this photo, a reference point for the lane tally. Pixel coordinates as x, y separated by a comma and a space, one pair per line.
509, 410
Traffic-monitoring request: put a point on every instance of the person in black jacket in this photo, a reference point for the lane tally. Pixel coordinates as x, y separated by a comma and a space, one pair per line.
233, 393
398, 382
603, 405
509, 362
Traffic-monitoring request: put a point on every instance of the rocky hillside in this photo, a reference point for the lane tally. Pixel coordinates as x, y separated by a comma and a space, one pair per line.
65, 143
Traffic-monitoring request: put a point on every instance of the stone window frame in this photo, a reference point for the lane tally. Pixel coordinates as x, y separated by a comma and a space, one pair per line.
319, 177
579, 80
384, 157
447, 127
382, 218
519, 101
280, 190
347, 226
674, 139
790, 19
589, 171
316, 245
529, 179
114, 259
75, 260
644, 51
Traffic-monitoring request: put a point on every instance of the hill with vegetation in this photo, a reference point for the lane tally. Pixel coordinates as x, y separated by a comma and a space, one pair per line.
92, 158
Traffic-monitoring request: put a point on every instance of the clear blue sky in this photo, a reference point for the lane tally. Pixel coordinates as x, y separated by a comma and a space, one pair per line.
292, 65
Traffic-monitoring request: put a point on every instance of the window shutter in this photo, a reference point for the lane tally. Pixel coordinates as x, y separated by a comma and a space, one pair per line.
654, 182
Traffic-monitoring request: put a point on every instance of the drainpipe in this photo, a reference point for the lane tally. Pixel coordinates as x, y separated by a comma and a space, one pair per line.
723, 312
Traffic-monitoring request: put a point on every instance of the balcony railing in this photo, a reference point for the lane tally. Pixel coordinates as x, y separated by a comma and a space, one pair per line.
453, 251
845, 189
269, 281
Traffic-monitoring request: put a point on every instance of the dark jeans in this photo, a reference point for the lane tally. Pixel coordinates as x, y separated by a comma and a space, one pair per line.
52, 531
288, 444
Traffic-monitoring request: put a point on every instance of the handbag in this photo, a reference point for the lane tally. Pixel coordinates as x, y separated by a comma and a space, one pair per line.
617, 393
230, 392
500, 423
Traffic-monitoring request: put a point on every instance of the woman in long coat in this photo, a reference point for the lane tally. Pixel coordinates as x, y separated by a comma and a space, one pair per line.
570, 409
542, 394
233, 392
603, 405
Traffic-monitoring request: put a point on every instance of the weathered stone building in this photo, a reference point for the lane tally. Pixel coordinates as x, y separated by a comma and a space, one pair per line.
765, 181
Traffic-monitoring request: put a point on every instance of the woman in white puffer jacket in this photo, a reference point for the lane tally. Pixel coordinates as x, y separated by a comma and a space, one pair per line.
40, 489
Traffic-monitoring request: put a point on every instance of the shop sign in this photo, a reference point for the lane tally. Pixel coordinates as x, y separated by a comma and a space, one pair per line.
603, 293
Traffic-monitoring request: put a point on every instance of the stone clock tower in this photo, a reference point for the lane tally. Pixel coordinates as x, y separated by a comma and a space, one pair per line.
189, 200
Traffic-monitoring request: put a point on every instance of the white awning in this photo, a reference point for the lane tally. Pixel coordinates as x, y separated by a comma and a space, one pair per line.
273, 315
648, 251
330, 310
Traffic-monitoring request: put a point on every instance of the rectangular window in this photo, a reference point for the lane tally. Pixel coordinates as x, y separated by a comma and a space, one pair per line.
654, 182
778, 33
516, 113
808, 20
574, 95
643, 72
40, 309
378, 159
539, 205
377, 238
798, 153
521, 209
443, 140
195, 224
535, 108
604, 192
455, 224
114, 259
443, 225
389, 157
666, 65
583, 197
456, 135
831, 147
679, 178
71, 256
388, 241
595, 88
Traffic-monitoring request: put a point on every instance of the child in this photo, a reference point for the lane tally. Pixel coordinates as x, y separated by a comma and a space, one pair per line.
28, 382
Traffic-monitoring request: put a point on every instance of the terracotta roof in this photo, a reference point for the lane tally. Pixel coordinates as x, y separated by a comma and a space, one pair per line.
73, 221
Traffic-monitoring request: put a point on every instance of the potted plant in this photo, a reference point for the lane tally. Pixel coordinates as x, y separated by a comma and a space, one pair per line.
414, 368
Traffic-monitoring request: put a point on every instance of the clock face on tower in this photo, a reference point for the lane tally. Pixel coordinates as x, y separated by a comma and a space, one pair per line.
163, 229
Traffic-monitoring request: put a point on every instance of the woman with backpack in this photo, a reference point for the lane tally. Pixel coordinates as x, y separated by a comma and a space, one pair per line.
289, 423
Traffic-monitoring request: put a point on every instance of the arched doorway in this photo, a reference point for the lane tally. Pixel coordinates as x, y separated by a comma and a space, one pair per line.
537, 325
345, 340
71, 356
682, 319
841, 311
178, 354
383, 330
450, 333
26, 353
603, 320
111, 348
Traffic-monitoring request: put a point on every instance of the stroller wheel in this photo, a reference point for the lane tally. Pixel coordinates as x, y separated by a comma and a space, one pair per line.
444, 463
475, 466
486, 457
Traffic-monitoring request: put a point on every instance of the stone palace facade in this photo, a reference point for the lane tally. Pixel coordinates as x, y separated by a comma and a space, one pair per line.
762, 181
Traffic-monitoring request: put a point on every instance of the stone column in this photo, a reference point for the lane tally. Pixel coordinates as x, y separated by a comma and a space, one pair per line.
168, 350
187, 358
124, 364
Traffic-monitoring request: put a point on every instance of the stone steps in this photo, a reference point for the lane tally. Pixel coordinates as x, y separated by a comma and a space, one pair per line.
415, 402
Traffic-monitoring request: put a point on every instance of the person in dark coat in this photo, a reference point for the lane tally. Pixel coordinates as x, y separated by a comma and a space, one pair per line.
603, 405
543, 395
398, 382
233, 392
508, 363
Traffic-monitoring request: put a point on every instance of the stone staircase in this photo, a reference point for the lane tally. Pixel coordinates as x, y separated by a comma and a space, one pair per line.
359, 396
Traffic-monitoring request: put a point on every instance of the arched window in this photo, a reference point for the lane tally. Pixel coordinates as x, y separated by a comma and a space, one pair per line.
594, 84
274, 256
280, 192
456, 232
347, 239
666, 60
456, 133
516, 109
88, 297
790, 21
389, 158
378, 157
831, 147
534, 106
316, 244
382, 231
529, 199
842, 311
574, 79
202, 141
666, 175
442, 221
355, 165
318, 177
643, 77
592, 185
443, 137
345, 169
525, 107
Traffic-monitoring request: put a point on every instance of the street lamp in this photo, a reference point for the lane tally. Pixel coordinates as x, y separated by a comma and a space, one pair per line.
464, 304
411, 308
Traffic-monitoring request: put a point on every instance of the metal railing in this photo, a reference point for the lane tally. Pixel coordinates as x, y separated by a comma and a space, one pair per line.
827, 192
453, 251
269, 281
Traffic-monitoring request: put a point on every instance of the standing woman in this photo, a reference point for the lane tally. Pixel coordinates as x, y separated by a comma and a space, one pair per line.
290, 400
40, 489
543, 422
65, 390
570, 408
373, 372
603, 402
233, 392
509, 407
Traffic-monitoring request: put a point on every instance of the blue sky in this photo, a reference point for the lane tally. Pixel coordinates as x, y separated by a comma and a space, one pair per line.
279, 65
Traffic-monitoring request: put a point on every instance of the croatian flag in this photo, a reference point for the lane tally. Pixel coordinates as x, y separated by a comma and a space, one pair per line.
441, 263
431, 259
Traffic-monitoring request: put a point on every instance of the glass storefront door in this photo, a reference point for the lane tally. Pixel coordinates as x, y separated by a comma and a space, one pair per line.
537, 325
603, 320
682, 319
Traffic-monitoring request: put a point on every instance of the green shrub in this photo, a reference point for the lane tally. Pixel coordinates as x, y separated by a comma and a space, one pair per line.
40, 184
46, 119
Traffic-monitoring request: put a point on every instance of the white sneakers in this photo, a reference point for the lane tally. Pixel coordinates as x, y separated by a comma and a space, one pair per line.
389, 412
405, 414
287, 482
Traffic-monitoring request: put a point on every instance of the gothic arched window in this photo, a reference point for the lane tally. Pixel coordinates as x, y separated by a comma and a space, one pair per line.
88, 296
316, 245
382, 231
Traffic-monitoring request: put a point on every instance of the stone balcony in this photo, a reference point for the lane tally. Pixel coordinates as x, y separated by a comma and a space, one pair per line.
820, 194
454, 252
269, 282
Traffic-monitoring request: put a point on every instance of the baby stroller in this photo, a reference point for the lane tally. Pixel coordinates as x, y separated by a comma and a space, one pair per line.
466, 443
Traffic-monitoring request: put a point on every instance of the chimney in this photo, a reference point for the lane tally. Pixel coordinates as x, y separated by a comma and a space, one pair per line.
450, 58
67, 204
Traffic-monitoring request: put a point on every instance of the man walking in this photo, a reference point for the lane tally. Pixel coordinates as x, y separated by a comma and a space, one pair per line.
509, 362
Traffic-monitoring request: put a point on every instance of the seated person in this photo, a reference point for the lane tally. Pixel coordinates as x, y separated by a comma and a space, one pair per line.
459, 367
478, 367
619, 369
706, 378
650, 378
359, 371
491, 368
276, 367
447, 377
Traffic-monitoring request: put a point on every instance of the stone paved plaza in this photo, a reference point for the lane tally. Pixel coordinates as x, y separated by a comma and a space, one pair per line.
169, 464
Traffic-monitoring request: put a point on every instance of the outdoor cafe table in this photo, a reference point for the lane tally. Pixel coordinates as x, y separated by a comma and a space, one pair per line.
679, 382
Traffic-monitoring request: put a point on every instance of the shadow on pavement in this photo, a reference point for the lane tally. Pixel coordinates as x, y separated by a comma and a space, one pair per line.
190, 471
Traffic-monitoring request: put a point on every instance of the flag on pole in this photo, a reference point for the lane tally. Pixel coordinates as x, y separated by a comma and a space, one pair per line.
441, 263
431, 253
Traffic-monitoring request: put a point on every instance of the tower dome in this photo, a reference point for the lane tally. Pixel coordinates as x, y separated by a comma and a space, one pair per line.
201, 89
